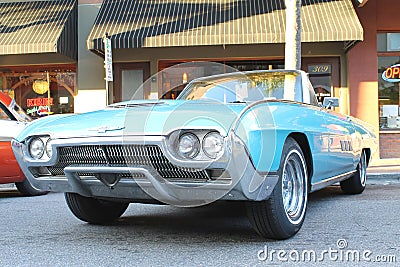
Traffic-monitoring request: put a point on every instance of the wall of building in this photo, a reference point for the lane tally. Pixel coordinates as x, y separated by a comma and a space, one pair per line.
220, 52
362, 69
34, 59
390, 145
387, 14
90, 74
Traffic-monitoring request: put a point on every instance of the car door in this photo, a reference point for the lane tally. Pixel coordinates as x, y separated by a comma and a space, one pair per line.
335, 132
341, 144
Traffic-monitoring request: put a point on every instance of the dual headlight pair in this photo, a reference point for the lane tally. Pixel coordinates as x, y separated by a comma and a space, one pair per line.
40, 148
190, 146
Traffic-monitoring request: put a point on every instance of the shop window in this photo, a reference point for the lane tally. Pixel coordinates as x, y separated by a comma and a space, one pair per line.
41, 91
389, 84
129, 81
389, 79
388, 42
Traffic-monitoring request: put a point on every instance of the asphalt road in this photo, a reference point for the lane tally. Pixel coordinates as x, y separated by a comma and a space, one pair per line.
40, 231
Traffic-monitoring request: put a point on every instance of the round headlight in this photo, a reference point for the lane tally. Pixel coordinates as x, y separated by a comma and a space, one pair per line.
213, 145
189, 145
36, 148
49, 149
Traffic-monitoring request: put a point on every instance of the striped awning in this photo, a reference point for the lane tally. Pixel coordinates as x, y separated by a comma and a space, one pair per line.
28, 27
166, 23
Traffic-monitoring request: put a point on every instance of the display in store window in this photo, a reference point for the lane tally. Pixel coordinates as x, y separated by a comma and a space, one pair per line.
41, 91
389, 84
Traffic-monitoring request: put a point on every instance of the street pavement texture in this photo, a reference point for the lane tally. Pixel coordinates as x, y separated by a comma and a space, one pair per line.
40, 231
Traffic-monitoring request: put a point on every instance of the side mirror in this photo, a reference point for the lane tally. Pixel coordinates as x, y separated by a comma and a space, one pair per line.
330, 102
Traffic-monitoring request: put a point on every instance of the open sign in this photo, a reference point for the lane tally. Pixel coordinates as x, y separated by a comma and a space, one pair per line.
392, 74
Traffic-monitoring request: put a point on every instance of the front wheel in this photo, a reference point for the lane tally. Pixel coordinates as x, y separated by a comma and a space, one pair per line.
356, 183
94, 210
282, 215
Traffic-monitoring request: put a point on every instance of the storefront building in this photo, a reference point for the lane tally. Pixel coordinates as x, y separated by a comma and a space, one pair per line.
38, 55
373, 75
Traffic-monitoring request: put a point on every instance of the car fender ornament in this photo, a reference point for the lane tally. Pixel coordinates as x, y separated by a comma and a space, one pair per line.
104, 128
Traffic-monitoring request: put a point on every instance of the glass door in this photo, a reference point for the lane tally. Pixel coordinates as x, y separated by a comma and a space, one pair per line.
324, 76
129, 79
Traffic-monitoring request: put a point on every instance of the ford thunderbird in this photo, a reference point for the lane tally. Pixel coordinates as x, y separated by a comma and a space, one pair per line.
12, 120
259, 137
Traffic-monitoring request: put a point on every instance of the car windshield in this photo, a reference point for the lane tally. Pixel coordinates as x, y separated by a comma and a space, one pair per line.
243, 87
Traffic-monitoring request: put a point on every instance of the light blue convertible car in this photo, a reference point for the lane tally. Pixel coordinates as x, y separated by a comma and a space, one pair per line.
227, 137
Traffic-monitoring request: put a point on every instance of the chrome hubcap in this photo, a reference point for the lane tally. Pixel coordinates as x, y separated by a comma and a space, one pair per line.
294, 187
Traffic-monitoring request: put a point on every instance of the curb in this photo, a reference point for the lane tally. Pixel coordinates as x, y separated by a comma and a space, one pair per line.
383, 178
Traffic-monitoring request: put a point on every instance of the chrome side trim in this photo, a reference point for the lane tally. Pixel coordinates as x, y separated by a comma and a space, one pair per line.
330, 181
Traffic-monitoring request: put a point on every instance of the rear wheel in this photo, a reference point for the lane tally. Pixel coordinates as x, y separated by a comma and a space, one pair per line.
282, 215
27, 189
94, 210
356, 183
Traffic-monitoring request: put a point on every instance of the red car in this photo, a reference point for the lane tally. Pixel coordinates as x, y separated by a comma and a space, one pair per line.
12, 120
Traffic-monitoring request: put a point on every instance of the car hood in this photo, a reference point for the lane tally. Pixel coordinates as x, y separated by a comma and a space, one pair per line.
139, 118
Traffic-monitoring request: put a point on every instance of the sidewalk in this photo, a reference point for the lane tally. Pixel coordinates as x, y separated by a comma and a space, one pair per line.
384, 171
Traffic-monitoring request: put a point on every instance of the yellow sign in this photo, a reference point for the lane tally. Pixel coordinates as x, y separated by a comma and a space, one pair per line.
40, 86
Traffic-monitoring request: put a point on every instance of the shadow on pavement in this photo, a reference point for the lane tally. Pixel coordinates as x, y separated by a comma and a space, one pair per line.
220, 221
10, 193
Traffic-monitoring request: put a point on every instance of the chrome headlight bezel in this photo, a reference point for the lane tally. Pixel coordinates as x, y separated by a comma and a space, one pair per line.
41, 143
200, 141
36, 148
49, 148
213, 145
188, 145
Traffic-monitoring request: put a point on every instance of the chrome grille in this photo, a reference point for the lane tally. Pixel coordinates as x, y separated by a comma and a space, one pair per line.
122, 155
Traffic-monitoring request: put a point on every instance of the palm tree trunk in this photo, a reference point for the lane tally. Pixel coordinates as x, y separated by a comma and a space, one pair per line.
293, 43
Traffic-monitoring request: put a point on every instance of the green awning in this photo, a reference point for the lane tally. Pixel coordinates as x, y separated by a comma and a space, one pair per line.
38, 27
166, 23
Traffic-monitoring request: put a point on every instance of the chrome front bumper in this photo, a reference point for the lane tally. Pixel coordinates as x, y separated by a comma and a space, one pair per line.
104, 181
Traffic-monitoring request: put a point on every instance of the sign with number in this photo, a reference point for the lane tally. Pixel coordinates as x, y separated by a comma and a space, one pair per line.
108, 59
320, 69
